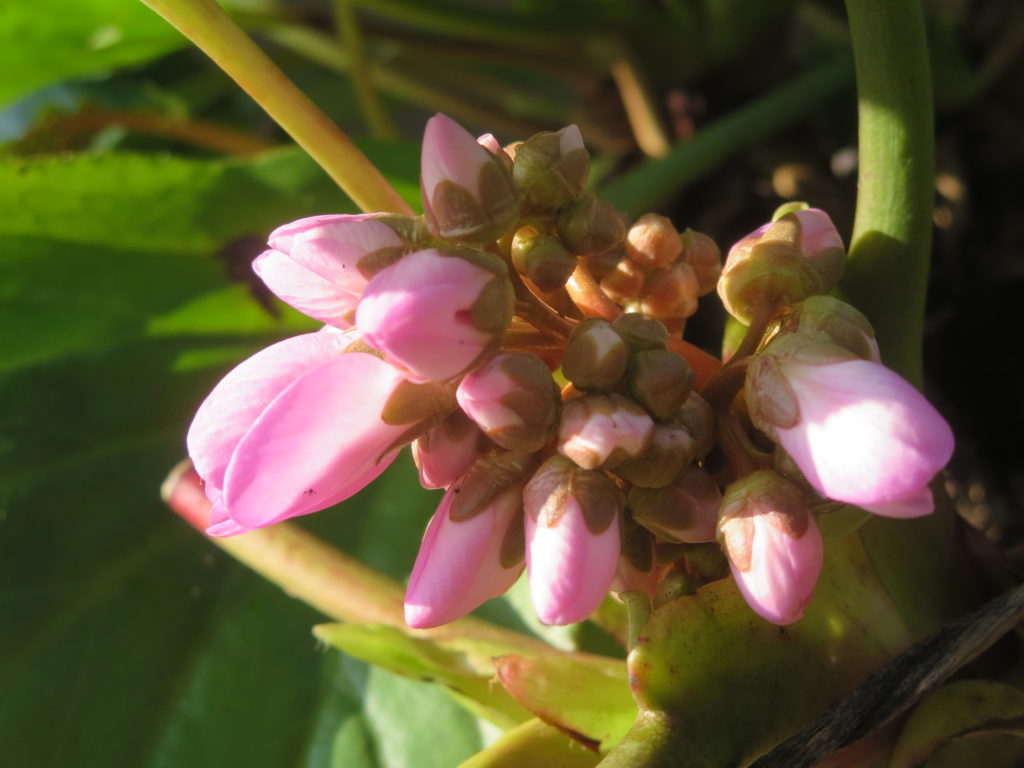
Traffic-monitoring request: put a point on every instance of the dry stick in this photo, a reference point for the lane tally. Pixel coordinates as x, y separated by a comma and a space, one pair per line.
899, 684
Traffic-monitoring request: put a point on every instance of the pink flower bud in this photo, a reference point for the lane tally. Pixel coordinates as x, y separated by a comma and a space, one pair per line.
781, 263
320, 265
465, 560
436, 313
467, 190
444, 453
685, 511
513, 399
773, 544
859, 433
603, 431
296, 428
572, 540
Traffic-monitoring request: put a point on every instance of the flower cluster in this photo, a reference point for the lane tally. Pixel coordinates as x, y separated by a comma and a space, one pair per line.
525, 340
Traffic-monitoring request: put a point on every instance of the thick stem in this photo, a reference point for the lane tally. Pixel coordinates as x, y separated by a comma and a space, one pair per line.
887, 268
205, 24
318, 574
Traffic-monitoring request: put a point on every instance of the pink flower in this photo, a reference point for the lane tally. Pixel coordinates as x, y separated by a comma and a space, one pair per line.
444, 453
294, 429
603, 431
435, 313
463, 562
859, 433
773, 544
572, 540
318, 264
467, 191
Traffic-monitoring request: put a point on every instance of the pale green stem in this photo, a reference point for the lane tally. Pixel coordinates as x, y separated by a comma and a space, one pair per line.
205, 24
376, 116
640, 106
887, 269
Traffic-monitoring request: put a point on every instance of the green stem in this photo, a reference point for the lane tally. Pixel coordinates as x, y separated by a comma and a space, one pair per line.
205, 24
643, 188
887, 267
347, 25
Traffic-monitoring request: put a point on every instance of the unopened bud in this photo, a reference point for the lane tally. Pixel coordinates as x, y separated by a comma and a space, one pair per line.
596, 356
766, 270
572, 539
513, 399
641, 332
697, 418
684, 512
467, 191
670, 292
624, 282
551, 168
773, 544
842, 324
443, 454
671, 449
543, 259
487, 478
660, 380
589, 225
603, 431
704, 255
652, 242
490, 143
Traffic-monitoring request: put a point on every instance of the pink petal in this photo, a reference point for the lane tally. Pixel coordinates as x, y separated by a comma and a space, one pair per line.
783, 572
916, 505
865, 435
241, 396
450, 153
417, 311
570, 569
320, 441
305, 290
314, 263
459, 563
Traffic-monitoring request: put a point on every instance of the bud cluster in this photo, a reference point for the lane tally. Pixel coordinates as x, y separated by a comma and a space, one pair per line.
569, 442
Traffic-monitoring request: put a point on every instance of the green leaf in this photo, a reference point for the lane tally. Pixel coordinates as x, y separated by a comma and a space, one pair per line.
535, 744
44, 43
581, 694
957, 711
128, 640
464, 666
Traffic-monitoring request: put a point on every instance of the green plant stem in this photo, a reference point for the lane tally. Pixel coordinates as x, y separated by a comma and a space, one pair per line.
376, 116
887, 268
643, 188
318, 574
205, 24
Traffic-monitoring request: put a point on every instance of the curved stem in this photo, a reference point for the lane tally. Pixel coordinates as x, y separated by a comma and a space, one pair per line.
205, 24
588, 296
888, 262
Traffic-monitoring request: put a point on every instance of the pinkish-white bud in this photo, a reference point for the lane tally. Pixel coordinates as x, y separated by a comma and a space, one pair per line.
320, 265
436, 314
572, 540
773, 544
467, 190
465, 560
603, 431
513, 399
704, 255
444, 453
652, 242
859, 433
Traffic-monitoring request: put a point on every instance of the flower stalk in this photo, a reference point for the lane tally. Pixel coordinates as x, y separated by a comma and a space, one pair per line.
209, 27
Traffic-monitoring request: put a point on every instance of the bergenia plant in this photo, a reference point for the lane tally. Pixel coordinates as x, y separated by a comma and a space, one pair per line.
524, 338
